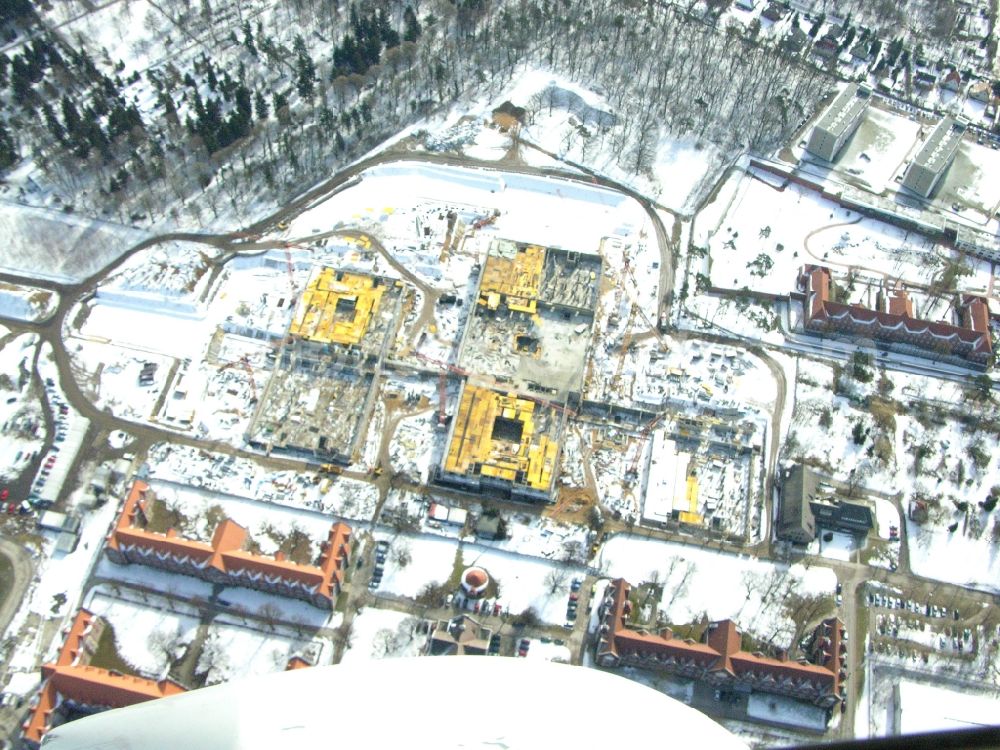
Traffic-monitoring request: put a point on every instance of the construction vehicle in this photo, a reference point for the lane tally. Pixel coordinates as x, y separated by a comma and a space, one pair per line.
330, 469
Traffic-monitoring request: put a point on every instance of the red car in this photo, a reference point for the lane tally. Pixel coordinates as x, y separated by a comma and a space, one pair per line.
4, 493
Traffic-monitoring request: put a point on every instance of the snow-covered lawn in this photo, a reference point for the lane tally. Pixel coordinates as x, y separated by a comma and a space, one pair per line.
149, 636
233, 652
382, 633
522, 579
697, 582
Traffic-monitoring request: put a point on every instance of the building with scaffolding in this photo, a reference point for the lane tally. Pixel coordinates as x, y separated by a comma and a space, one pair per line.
533, 317
321, 392
503, 444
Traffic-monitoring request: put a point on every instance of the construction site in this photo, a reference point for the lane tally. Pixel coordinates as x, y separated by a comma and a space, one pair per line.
503, 444
533, 318
321, 391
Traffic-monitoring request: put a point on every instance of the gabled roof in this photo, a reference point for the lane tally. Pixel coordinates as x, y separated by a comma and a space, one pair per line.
225, 552
820, 307
71, 678
722, 649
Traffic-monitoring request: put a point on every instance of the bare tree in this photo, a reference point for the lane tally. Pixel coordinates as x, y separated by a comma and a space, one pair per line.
555, 579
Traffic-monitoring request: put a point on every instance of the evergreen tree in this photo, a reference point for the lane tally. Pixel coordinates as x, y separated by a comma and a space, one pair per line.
71, 117
248, 39
52, 122
411, 26
8, 149
260, 106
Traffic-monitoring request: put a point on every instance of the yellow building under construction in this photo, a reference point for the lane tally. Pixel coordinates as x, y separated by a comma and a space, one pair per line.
504, 437
336, 307
513, 278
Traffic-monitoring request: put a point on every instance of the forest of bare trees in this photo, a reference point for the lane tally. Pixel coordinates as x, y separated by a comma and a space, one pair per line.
267, 100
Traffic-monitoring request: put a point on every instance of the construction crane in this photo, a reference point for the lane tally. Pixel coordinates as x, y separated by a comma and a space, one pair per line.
626, 343
664, 346
245, 364
632, 472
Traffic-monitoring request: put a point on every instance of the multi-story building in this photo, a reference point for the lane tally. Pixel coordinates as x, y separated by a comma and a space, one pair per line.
894, 322
839, 122
72, 686
934, 157
223, 560
719, 658
805, 508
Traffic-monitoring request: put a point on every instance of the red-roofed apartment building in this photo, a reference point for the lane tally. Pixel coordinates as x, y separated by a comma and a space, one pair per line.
224, 560
894, 322
72, 685
720, 660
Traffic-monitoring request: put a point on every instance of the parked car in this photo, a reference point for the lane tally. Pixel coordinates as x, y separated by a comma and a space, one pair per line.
576, 584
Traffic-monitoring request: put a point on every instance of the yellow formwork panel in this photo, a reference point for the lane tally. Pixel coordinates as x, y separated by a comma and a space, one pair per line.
472, 440
317, 317
517, 278
691, 494
692, 518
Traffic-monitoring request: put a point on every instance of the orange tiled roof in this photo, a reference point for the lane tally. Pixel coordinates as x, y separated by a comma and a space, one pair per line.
70, 677
819, 307
722, 650
225, 552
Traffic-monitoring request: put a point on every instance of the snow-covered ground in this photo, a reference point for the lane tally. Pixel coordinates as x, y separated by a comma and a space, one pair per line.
244, 478
27, 302
383, 633
914, 442
698, 582
932, 708
68, 247
761, 231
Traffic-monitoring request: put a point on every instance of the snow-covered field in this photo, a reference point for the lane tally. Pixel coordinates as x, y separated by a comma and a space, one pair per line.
66, 246
696, 582
760, 232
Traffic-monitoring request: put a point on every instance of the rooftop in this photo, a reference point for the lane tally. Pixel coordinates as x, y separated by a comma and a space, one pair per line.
844, 109
942, 144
